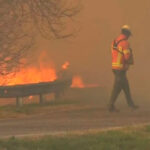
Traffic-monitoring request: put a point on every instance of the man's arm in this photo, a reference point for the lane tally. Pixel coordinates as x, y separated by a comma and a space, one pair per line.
127, 51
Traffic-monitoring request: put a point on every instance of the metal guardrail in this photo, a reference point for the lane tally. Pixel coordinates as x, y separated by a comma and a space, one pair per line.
20, 91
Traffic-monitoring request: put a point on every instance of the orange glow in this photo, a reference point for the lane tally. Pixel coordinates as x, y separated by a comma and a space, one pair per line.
65, 65
77, 82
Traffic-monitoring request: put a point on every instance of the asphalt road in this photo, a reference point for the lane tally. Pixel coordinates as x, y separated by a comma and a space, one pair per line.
69, 119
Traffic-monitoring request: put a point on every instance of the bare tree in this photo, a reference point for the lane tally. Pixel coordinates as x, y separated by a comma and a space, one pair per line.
22, 20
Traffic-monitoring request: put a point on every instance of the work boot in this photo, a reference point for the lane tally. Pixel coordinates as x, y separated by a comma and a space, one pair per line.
134, 107
113, 109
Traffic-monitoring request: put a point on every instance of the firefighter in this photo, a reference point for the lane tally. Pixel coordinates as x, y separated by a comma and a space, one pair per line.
122, 58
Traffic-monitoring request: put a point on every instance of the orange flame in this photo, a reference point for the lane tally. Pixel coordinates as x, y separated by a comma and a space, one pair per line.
65, 65
30, 97
77, 82
31, 75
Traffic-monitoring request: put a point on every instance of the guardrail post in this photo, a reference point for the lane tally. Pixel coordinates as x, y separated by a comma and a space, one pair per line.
19, 101
41, 99
57, 95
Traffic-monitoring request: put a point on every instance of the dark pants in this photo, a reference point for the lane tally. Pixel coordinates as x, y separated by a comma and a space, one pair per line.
121, 83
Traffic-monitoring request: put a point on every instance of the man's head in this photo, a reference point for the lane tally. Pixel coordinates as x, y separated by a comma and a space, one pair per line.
126, 30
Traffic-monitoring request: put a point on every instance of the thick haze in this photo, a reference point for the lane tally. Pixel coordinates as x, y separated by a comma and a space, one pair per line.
89, 52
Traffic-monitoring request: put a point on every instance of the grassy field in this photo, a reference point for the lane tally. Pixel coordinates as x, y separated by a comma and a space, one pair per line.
123, 139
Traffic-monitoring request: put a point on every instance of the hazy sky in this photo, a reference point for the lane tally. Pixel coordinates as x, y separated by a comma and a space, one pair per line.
89, 52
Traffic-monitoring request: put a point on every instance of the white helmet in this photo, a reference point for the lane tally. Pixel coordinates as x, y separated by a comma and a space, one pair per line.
127, 28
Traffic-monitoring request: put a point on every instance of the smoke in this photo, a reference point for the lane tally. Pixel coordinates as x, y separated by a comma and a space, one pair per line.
89, 52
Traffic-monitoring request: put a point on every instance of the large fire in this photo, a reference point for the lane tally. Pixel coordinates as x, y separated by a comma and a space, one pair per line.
42, 72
